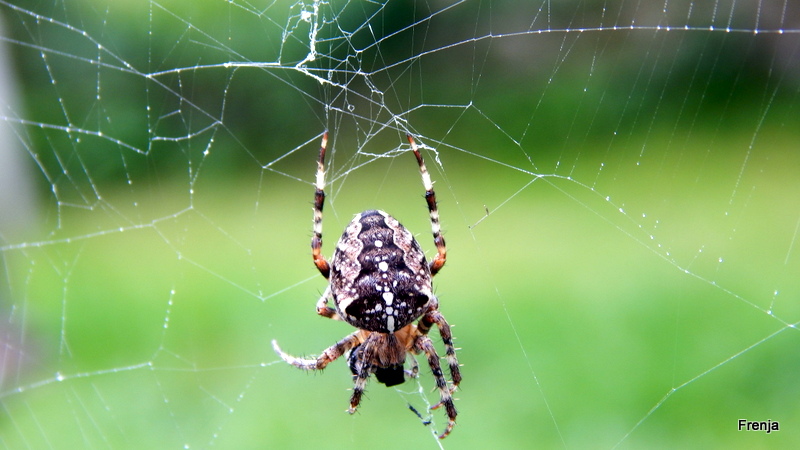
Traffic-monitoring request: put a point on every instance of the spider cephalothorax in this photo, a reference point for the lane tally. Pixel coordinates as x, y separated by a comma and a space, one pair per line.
380, 282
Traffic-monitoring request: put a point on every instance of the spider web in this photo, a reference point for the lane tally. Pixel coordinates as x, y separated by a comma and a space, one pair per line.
617, 183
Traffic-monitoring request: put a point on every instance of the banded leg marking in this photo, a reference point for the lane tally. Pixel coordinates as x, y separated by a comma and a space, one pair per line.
430, 199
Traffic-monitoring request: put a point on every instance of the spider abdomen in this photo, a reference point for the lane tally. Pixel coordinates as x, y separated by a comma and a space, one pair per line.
380, 280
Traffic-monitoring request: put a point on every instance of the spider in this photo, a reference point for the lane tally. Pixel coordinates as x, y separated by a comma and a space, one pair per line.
380, 283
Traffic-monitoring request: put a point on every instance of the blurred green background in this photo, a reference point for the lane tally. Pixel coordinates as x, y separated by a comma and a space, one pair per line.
620, 207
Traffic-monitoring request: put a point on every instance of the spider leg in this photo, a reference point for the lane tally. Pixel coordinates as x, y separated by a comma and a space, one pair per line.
430, 198
329, 355
424, 326
424, 344
319, 201
322, 306
361, 376
414, 371
358, 387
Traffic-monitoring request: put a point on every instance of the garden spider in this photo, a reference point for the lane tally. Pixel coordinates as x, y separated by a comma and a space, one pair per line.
380, 283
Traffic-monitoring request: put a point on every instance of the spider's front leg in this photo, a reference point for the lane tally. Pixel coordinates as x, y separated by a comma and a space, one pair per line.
424, 344
424, 326
413, 372
329, 355
361, 376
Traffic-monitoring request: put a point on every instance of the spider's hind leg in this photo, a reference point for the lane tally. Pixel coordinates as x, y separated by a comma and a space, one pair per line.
430, 199
319, 201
